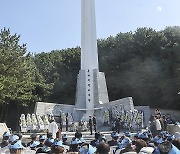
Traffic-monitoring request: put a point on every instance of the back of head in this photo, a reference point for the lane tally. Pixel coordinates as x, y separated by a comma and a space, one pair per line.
16, 147
103, 148
57, 149
78, 134
97, 135
33, 136
165, 147
140, 144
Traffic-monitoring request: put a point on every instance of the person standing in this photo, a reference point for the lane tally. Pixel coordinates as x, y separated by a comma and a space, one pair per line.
153, 125
53, 128
158, 125
60, 122
117, 124
90, 124
94, 122
67, 122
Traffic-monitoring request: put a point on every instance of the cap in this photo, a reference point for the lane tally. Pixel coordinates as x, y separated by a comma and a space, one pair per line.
34, 144
76, 141
170, 137
64, 136
114, 134
124, 142
158, 140
57, 143
6, 134
128, 134
164, 132
13, 138
42, 137
143, 136
91, 149
16, 145
82, 139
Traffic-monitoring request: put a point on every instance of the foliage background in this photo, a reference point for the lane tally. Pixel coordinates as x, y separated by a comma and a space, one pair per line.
144, 64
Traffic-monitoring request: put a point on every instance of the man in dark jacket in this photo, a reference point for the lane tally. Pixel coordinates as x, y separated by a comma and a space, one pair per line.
94, 123
90, 124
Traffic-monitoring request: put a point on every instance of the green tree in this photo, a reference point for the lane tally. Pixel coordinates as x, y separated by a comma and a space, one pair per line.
19, 78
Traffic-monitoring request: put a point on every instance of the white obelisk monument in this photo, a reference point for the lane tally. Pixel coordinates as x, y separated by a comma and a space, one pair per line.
89, 55
90, 91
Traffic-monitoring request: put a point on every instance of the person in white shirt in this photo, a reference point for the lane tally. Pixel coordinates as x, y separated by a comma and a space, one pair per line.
158, 125
53, 128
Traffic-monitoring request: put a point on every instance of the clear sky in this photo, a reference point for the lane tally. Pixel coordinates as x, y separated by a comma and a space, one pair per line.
46, 25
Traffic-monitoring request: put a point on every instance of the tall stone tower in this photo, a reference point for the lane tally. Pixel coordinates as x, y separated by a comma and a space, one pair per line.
91, 91
91, 84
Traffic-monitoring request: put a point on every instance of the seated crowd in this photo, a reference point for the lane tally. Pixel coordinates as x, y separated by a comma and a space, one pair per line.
132, 143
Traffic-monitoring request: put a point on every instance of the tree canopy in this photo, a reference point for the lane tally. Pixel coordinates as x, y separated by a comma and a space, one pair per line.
144, 64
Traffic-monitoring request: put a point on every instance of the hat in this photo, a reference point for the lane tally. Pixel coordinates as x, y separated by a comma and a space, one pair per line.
34, 135
143, 136
76, 141
124, 142
82, 139
114, 134
65, 136
91, 149
128, 134
16, 145
6, 134
13, 138
158, 140
164, 132
42, 137
57, 143
34, 144
170, 137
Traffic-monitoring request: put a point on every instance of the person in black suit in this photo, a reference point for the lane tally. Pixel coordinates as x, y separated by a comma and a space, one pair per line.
67, 122
90, 124
94, 122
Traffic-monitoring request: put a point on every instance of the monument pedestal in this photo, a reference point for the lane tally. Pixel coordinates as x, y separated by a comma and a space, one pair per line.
92, 89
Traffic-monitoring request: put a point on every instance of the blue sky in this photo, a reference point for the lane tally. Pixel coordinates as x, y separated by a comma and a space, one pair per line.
46, 25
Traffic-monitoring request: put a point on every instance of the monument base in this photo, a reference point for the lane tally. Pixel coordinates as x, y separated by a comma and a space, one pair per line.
121, 105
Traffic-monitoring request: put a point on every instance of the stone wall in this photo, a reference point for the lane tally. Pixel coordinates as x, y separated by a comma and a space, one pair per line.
43, 108
124, 103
